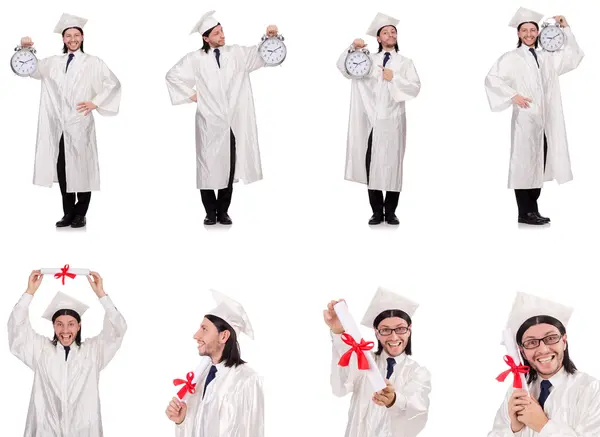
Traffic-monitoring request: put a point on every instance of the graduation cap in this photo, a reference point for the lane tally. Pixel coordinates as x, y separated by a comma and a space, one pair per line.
381, 20
233, 313
524, 15
208, 21
67, 21
385, 300
63, 301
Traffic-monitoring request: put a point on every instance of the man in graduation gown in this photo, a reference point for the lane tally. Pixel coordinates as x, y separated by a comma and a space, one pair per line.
217, 79
527, 80
377, 128
74, 84
228, 399
401, 409
64, 399
562, 401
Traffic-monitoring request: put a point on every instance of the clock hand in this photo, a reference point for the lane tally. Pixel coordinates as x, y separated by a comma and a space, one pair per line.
277, 48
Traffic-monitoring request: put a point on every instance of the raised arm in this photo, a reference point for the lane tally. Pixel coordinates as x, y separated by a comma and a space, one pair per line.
181, 81
571, 54
108, 91
23, 341
108, 342
499, 84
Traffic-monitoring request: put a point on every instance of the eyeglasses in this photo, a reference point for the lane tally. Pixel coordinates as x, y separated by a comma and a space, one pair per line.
388, 331
532, 343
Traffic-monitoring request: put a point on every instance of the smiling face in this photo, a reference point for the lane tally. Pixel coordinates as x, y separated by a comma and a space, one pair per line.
66, 329
72, 39
528, 33
545, 359
210, 341
393, 343
216, 38
388, 37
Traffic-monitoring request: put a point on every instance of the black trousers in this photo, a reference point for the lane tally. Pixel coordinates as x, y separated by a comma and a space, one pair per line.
378, 203
527, 198
73, 203
219, 204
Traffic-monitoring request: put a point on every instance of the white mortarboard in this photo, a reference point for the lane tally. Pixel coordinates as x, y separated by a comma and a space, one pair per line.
526, 306
233, 313
66, 21
525, 15
208, 21
384, 300
64, 302
380, 21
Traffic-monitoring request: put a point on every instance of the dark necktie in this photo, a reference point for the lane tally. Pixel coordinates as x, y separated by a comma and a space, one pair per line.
211, 374
545, 392
532, 50
386, 58
217, 55
69, 60
67, 349
391, 362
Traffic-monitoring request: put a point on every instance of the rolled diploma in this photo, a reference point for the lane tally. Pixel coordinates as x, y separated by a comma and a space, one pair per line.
513, 351
78, 272
375, 378
204, 363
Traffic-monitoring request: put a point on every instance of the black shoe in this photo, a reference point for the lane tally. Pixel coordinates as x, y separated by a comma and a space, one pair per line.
531, 218
391, 219
224, 219
78, 221
210, 219
376, 218
65, 221
541, 217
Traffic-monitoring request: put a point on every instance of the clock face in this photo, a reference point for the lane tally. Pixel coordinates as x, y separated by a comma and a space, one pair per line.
358, 64
552, 38
23, 63
273, 51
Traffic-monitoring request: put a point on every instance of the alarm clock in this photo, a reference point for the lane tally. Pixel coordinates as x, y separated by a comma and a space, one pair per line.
552, 37
358, 63
24, 62
272, 50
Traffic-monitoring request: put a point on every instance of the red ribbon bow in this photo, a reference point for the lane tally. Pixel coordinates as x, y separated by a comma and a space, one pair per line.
188, 387
363, 363
515, 370
64, 272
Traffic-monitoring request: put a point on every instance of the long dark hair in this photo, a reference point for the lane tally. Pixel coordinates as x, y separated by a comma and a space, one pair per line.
205, 44
393, 313
73, 314
568, 365
231, 354
65, 49
520, 43
395, 45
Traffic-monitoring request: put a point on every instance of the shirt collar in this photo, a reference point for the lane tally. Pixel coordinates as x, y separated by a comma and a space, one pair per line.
399, 359
75, 53
556, 380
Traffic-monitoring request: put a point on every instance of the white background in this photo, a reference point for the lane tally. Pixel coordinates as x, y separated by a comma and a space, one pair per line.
300, 236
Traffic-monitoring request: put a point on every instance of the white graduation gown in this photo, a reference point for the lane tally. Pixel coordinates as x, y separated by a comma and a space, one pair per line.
516, 72
573, 408
406, 418
233, 405
64, 398
87, 79
225, 102
378, 104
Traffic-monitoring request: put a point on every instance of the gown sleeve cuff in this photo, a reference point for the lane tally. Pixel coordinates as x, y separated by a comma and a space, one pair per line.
25, 300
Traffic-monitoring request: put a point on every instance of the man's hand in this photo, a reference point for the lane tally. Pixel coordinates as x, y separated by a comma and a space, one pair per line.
35, 279
518, 399
97, 284
86, 106
272, 30
176, 410
523, 102
331, 318
359, 43
387, 73
26, 42
532, 415
385, 397
560, 19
